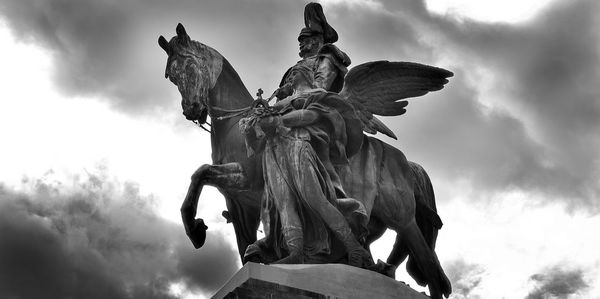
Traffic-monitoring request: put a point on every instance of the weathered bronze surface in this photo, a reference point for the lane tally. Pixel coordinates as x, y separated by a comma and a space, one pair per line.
305, 162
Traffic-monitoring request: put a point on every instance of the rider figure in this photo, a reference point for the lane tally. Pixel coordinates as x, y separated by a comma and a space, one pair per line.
328, 63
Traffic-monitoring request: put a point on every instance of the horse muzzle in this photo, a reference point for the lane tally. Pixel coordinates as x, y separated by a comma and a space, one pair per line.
195, 112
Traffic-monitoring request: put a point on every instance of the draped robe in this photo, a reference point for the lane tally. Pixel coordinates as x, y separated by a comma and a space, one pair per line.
300, 163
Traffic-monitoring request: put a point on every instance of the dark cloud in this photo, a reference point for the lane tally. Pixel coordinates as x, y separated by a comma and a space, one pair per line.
374, 35
465, 278
549, 75
88, 40
549, 80
460, 139
558, 282
98, 238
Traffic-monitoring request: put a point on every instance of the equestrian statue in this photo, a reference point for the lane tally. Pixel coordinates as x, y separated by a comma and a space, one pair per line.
323, 189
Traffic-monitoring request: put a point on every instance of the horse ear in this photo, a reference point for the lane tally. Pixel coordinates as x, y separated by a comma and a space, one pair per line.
180, 30
164, 44
183, 36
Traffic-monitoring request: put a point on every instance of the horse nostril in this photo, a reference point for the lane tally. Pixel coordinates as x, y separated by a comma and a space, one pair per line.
195, 105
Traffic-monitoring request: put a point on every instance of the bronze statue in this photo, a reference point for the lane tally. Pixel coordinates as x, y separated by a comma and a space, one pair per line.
395, 193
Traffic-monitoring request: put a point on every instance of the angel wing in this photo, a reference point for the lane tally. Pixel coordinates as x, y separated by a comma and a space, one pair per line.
377, 88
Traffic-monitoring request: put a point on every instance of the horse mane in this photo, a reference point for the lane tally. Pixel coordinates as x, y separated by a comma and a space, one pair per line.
189, 48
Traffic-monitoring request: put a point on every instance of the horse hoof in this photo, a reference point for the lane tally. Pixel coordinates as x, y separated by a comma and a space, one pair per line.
198, 233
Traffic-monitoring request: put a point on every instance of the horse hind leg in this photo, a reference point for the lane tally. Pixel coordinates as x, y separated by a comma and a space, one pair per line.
427, 261
397, 256
398, 253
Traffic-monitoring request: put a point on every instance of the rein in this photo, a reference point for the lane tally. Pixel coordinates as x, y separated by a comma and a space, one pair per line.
203, 128
225, 114
229, 113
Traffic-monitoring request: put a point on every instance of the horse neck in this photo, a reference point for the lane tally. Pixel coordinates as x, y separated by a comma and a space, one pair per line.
228, 93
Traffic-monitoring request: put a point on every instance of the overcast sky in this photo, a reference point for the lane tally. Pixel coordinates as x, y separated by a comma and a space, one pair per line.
96, 156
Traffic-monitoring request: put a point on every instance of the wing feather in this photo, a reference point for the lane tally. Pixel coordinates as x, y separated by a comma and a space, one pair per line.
379, 87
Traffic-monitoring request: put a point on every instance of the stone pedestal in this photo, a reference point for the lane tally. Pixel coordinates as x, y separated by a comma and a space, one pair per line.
313, 281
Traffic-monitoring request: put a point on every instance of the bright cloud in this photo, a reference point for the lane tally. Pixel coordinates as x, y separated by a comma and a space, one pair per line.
507, 11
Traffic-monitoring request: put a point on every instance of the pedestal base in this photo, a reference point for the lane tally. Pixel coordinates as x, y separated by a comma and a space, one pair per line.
313, 281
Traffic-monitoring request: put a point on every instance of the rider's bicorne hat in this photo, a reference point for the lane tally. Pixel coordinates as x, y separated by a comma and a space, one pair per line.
316, 24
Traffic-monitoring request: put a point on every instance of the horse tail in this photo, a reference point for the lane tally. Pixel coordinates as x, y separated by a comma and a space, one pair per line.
426, 216
428, 220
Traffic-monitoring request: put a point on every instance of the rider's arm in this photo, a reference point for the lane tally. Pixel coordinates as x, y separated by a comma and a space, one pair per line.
300, 118
279, 105
297, 103
325, 74
296, 118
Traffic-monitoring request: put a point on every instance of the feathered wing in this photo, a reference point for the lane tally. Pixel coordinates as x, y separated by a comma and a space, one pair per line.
378, 87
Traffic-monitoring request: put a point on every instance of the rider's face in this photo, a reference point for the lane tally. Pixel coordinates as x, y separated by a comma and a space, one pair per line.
309, 45
295, 78
298, 78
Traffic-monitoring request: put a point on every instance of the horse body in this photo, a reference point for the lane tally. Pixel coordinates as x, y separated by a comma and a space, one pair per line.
390, 187
380, 175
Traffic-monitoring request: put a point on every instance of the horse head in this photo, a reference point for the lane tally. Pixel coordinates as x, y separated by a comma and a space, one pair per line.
194, 68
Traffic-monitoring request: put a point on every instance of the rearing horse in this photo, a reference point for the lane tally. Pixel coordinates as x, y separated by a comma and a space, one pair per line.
397, 193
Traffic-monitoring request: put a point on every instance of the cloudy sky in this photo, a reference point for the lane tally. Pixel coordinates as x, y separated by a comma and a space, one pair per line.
96, 156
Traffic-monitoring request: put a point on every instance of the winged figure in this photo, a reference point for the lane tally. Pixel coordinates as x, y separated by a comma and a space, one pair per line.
328, 126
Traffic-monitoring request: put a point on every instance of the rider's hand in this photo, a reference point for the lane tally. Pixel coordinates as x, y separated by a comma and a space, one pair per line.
270, 122
284, 91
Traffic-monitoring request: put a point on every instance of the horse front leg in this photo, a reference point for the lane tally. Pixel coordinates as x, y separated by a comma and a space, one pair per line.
230, 176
